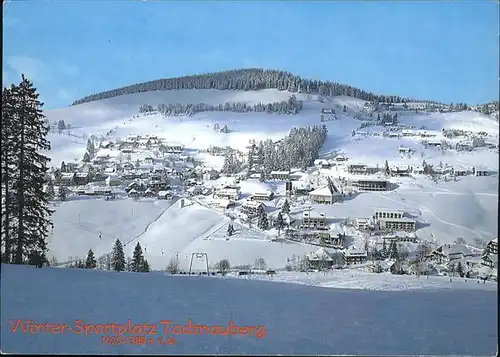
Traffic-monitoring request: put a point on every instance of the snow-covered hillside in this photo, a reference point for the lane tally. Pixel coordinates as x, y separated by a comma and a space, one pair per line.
467, 208
287, 318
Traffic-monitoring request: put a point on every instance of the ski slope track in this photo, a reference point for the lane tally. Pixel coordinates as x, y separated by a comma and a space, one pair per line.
297, 319
467, 208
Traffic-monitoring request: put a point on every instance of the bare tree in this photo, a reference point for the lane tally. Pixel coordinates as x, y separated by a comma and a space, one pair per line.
173, 266
223, 266
260, 263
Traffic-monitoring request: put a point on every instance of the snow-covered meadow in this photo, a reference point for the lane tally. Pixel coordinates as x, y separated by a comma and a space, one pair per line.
296, 319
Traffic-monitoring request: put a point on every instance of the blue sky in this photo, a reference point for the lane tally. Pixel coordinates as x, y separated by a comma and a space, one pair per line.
446, 51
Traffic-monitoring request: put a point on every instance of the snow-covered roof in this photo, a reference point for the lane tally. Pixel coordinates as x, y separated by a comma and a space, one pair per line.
456, 249
313, 215
403, 219
388, 210
320, 254
354, 252
164, 193
322, 191
280, 172
252, 204
112, 178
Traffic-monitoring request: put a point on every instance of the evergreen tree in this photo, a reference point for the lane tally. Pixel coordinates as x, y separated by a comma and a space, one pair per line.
263, 222
63, 193
387, 168
280, 223
50, 190
63, 166
86, 157
118, 257
90, 262
61, 125
384, 251
393, 250
286, 207
91, 148
25, 202
137, 264
145, 266
460, 269
230, 229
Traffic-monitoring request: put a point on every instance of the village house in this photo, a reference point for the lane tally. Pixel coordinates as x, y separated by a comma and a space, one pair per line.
320, 259
362, 224
112, 180
490, 256
67, 178
322, 164
327, 194
252, 208
481, 170
341, 158
223, 203
371, 184
174, 148
461, 171
165, 195
296, 175
314, 221
106, 144
354, 256
403, 150
450, 252
82, 178
279, 175
262, 196
400, 170
133, 193
228, 193
363, 169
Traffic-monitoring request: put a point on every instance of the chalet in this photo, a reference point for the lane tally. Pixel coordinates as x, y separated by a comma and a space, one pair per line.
320, 259
490, 260
67, 178
149, 160
492, 246
252, 208
325, 195
341, 158
130, 175
398, 224
102, 191
362, 223
195, 190
404, 150
262, 196
371, 184
279, 175
150, 192
327, 111
82, 178
165, 195
133, 185
314, 221
113, 180
228, 193
354, 256
387, 213
133, 193
400, 170
450, 252
464, 146
127, 150
336, 242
